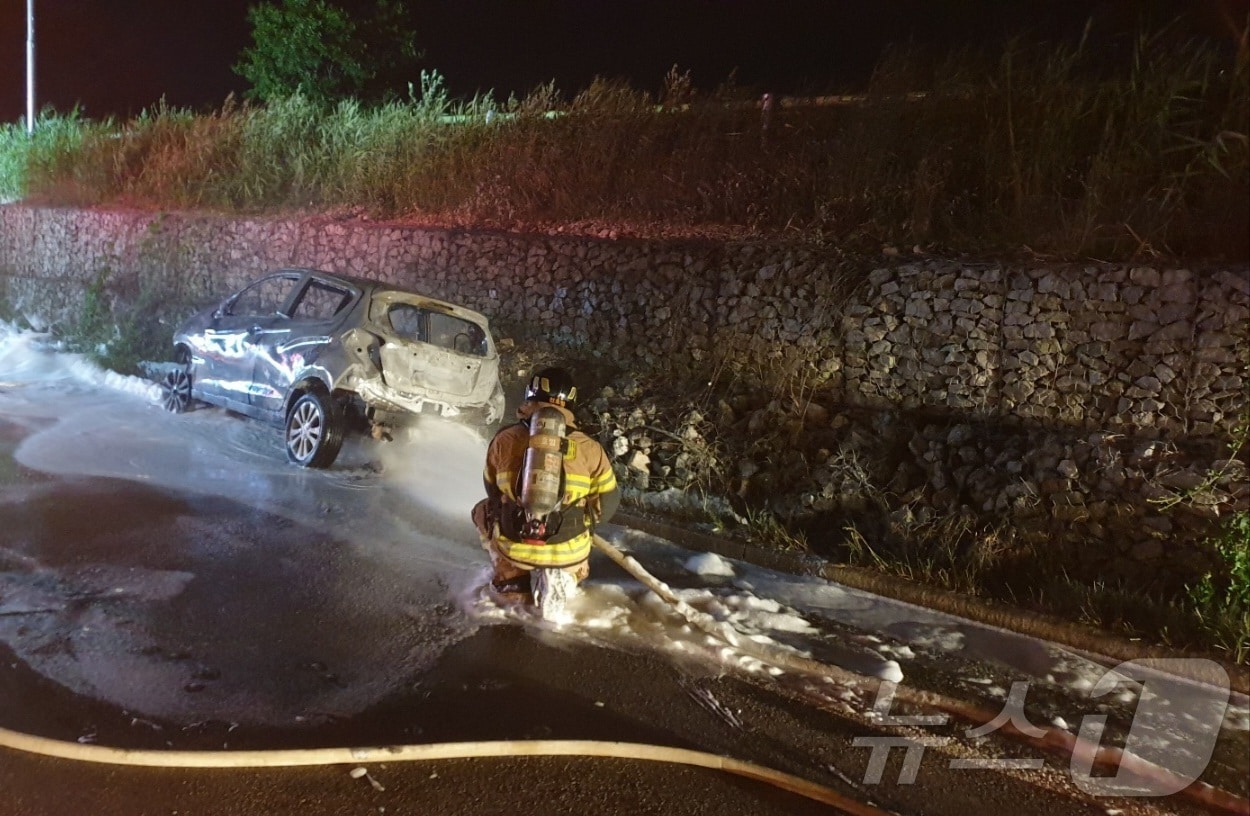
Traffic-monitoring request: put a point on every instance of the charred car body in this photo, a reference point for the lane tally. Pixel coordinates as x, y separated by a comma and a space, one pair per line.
322, 355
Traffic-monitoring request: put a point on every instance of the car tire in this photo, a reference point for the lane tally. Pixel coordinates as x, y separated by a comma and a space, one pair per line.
314, 430
176, 386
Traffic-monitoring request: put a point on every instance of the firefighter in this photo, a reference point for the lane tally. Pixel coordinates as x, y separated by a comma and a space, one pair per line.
547, 486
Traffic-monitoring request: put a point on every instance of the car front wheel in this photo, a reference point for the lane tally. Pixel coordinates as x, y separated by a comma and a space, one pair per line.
176, 387
314, 430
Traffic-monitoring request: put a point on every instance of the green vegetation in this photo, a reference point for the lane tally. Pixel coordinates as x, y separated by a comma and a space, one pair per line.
118, 330
127, 311
318, 49
1221, 600
1049, 148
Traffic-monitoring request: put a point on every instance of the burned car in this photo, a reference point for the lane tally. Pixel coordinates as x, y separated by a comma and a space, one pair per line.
322, 355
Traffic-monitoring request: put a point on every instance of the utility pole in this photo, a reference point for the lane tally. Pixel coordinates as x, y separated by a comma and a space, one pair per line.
30, 67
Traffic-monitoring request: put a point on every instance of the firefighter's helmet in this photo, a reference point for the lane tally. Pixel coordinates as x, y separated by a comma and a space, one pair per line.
553, 386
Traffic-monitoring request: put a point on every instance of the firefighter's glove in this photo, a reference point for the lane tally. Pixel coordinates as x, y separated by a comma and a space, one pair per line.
594, 510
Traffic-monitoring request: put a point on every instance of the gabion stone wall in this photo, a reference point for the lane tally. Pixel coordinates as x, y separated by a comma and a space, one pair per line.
1124, 348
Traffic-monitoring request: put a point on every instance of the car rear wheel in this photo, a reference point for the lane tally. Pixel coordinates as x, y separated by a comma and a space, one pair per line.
176, 387
314, 430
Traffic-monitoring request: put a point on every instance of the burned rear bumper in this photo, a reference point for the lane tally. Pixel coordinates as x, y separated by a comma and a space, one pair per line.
379, 396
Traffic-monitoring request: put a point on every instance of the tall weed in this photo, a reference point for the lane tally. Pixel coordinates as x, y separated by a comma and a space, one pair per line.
1221, 599
1051, 147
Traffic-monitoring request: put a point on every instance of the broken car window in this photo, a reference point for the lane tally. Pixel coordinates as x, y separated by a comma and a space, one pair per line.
437, 328
406, 321
456, 334
263, 298
320, 302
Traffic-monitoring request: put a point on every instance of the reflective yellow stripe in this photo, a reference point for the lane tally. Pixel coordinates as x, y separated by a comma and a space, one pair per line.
563, 554
578, 487
503, 480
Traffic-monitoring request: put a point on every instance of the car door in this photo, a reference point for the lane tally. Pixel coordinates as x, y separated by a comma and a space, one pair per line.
240, 331
294, 344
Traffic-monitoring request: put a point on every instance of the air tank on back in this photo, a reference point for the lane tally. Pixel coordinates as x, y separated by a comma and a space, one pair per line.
544, 463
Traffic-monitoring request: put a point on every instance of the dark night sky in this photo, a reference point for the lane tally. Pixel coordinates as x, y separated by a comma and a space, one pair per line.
115, 57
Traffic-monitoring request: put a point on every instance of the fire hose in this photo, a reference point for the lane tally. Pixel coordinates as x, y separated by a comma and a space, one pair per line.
302, 757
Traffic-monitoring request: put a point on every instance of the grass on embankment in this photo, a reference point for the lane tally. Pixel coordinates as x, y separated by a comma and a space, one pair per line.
1054, 148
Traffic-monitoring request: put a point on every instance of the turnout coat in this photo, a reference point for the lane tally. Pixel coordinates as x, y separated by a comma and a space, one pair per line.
590, 495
